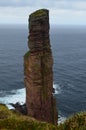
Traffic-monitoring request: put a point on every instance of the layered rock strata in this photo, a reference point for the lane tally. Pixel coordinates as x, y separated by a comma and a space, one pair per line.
38, 72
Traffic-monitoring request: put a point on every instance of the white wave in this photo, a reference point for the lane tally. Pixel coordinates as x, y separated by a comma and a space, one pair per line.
61, 119
19, 96
57, 88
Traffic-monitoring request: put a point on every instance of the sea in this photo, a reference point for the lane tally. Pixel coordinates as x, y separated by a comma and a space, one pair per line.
68, 45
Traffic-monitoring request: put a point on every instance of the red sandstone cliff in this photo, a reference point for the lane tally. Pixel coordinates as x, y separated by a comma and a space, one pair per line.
38, 72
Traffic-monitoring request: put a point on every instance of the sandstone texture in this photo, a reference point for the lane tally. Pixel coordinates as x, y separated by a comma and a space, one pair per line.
38, 72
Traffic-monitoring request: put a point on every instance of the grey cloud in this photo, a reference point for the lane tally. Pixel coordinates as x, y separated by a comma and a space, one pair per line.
34, 2
51, 4
16, 3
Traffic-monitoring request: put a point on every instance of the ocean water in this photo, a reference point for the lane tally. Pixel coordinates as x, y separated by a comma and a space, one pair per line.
69, 69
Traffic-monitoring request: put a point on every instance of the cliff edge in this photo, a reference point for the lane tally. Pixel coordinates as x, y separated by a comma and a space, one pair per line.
11, 120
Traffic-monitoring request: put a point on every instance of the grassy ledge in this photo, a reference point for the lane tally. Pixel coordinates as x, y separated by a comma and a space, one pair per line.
10, 120
39, 13
27, 54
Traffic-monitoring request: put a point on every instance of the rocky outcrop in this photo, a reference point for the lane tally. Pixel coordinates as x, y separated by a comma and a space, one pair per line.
38, 73
19, 108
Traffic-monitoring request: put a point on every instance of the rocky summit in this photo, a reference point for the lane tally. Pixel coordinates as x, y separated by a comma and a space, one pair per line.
38, 62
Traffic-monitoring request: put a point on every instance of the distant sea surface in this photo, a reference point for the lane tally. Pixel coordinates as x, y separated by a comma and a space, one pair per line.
69, 52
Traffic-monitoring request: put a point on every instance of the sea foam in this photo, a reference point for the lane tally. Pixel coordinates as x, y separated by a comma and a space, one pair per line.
20, 95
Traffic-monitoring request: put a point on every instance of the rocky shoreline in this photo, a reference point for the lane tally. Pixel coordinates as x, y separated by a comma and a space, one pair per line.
19, 108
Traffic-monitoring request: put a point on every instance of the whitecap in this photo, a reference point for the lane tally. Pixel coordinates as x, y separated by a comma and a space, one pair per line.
61, 119
57, 88
19, 96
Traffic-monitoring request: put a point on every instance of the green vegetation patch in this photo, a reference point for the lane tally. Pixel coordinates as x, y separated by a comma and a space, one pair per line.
13, 121
75, 122
4, 112
22, 124
39, 13
27, 54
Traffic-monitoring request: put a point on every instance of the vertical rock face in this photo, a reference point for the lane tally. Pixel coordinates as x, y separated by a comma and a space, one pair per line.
38, 69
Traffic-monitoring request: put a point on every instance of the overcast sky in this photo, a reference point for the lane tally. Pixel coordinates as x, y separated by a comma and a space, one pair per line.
61, 11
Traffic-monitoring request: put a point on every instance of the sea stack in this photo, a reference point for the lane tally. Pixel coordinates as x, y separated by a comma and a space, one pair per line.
38, 63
